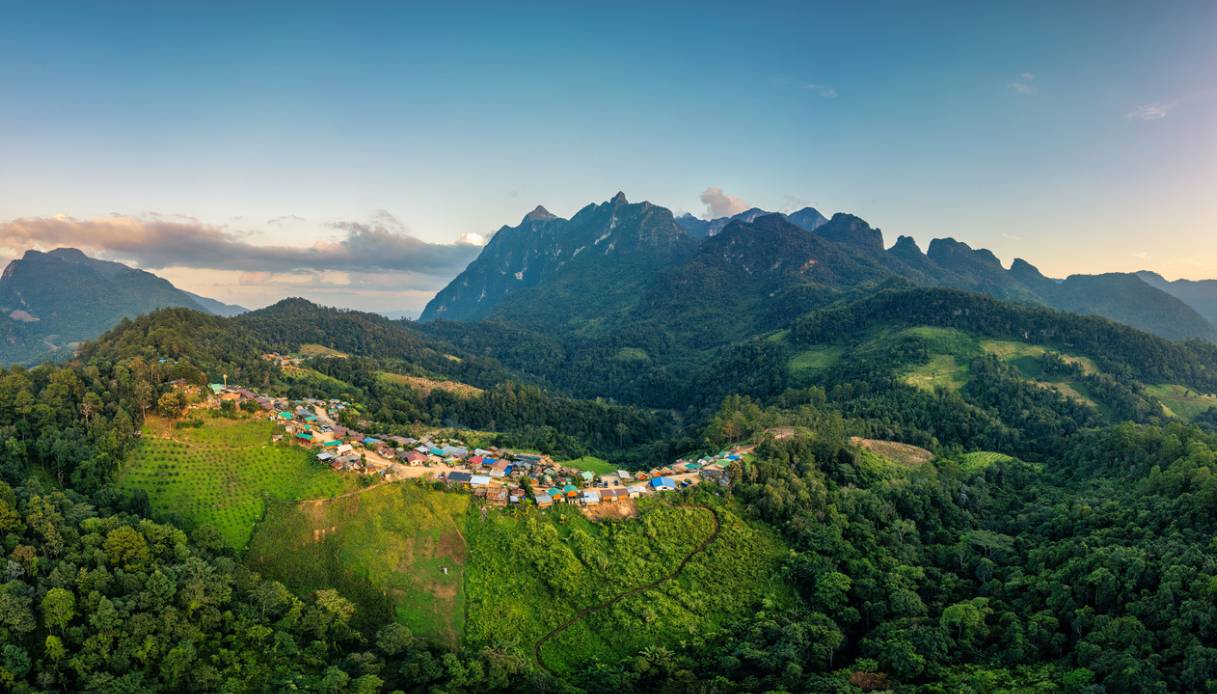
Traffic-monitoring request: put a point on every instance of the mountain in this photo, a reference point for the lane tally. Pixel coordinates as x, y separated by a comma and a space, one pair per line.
806, 219
614, 264
1199, 294
599, 259
51, 301
218, 308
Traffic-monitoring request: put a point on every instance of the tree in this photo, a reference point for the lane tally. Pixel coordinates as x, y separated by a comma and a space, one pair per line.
58, 608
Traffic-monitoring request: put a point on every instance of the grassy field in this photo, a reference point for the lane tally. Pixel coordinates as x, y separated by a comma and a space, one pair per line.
424, 385
385, 548
314, 350
1026, 356
810, 361
591, 462
903, 454
941, 371
1181, 401
530, 571
220, 474
979, 460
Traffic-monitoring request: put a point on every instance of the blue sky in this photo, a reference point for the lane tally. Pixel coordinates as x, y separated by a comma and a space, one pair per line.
1081, 137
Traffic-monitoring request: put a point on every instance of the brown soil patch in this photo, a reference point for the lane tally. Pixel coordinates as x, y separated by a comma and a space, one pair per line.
616, 510
903, 453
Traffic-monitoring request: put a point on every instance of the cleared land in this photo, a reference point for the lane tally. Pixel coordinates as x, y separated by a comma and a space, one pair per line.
901, 453
979, 460
315, 350
811, 361
386, 549
424, 386
591, 462
221, 473
530, 572
1181, 401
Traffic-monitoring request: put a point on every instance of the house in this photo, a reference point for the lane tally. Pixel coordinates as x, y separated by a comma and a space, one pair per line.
332, 443
344, 448
285, 416
624, 475
614, 495
325, 457
587, 476
482, 452
475, 460
591, 498
480, 481
459, 478
663, 484
414, 458
545, 501
304, 438
370, 441
516, 495
497, 496
571, 491
636, 491
500, 468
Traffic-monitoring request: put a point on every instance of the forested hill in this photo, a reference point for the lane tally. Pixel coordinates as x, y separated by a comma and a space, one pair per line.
616, 263
52, 301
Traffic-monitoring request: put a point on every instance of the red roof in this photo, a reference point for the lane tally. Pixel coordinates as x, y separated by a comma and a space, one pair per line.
475, 460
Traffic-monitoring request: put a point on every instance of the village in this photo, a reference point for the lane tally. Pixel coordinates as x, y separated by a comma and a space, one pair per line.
500, 476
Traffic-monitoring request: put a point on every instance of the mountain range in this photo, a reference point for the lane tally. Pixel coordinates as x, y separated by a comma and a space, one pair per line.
51, 301
618, 261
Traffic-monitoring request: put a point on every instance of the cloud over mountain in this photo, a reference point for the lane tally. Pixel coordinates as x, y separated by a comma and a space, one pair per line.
719, 204
158, 242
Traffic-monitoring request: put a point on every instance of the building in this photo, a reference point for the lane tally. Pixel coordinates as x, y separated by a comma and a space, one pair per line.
663, 484
462, 478
480, 481
591, 498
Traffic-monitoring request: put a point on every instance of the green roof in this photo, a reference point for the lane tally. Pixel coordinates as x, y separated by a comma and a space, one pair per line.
285, 415
305, 436
570, 488
331, 442
216, 387
587, 475
553, 491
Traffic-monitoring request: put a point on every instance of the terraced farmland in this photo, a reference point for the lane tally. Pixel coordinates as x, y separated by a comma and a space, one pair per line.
220, 474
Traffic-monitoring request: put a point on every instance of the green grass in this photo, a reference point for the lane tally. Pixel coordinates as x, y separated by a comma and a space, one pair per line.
944, 340
810, 361
385, 549
941, 371
1181, 401
591, 462
315, 350
530, 571
220, 474
1026, 356
979, 460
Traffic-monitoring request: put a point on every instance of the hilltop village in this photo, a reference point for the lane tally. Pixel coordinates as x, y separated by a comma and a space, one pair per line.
500, 476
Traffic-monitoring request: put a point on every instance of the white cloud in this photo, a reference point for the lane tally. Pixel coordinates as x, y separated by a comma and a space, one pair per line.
1025, 84
472, 239
1147, 112
719, 204
821, 90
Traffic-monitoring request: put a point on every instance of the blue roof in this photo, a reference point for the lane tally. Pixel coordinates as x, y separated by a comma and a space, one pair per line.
369, 441
663, 482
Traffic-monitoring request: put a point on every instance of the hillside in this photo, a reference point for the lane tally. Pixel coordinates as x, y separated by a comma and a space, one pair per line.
53, 301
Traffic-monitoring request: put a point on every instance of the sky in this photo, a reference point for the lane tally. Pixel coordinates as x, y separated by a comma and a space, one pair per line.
357, 154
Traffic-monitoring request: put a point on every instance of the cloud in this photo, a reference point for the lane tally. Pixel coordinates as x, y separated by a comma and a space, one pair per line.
285, 219
719, 204
1147, 112
159, 242
821, 90
1024, 84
